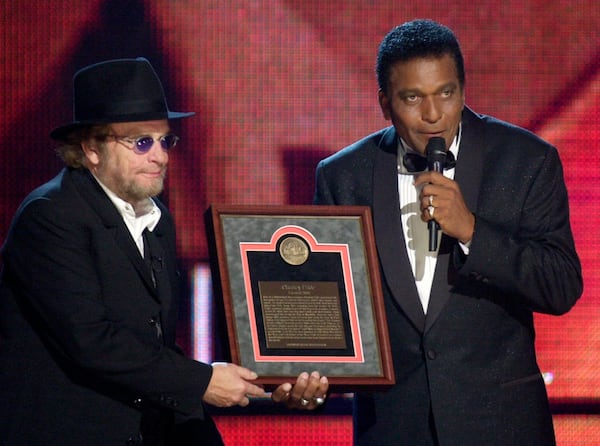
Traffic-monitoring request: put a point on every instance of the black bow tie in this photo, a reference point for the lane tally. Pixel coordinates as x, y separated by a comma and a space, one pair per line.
417, 163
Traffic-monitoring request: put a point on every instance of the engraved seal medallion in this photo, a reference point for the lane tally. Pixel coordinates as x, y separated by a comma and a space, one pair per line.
293, 250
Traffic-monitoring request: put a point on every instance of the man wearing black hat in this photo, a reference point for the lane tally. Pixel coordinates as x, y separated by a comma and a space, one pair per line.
89, 287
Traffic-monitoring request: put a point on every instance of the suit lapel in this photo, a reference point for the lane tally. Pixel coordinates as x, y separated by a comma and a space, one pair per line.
388, 227
469, 171
93, 194
126, 243
158, 263
468, 175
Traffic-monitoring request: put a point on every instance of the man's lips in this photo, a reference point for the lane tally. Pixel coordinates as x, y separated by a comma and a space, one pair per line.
158, 173
433, 134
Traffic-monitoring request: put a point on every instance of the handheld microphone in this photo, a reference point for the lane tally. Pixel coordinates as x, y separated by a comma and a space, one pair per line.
436, 156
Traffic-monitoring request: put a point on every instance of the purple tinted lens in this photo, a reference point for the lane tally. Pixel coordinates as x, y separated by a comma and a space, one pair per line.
168, 141
144, 143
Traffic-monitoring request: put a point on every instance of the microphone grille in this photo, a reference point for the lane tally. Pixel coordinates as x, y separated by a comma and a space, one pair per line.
436, 149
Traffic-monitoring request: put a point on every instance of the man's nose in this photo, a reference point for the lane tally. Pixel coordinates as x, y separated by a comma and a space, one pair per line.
430, 110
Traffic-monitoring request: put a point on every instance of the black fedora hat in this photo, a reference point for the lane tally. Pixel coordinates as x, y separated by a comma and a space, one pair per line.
120, 90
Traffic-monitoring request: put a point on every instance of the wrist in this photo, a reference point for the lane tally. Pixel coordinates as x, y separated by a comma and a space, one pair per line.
468, 237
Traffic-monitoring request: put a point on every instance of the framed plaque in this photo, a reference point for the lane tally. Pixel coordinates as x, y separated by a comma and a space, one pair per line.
301, 291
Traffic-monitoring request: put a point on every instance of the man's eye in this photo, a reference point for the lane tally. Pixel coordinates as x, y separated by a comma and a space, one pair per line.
411, 99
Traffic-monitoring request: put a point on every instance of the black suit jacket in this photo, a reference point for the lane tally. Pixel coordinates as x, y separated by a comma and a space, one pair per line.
88, 340
470, 362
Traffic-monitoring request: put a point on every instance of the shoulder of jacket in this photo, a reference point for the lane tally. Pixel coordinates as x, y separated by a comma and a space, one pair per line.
363, 148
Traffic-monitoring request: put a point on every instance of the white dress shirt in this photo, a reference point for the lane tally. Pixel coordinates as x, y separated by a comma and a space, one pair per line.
137, 220
416, 233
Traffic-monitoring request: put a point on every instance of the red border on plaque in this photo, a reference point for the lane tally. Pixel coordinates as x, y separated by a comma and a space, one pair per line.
315, 246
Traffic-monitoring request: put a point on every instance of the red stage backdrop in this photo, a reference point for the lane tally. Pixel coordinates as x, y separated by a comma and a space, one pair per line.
279, 84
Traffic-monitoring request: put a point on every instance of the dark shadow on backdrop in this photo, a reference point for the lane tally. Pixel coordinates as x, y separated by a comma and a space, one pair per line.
564, 97
122, 30
300, 163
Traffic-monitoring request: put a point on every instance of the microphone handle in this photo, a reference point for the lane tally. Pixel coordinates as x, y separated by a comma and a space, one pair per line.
433, 234
432, 224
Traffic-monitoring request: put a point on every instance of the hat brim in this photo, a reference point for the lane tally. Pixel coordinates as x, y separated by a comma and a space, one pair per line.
62, 132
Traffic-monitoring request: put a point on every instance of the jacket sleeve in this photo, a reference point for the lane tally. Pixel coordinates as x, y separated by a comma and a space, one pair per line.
533, 258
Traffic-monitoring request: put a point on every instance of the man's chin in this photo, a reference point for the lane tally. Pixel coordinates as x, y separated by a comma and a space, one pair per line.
143, 192
154, 191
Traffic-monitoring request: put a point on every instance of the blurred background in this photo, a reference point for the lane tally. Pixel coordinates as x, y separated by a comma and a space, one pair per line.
278, 85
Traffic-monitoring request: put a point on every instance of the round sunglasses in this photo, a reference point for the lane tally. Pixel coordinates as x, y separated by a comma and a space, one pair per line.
143, 144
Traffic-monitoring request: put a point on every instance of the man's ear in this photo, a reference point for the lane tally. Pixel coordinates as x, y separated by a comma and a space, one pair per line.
91, 152
385, 105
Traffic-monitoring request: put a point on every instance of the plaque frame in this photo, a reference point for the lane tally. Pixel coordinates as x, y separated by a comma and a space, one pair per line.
235, 230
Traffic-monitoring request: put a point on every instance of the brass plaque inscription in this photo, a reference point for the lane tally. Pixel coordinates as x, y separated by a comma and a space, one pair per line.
302, 315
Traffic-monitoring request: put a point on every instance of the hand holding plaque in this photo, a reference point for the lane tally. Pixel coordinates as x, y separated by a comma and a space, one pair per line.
309, 392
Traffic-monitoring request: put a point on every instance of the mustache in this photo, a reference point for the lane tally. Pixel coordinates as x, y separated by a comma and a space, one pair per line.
162, 171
